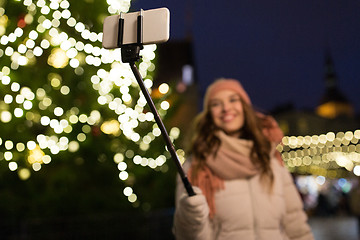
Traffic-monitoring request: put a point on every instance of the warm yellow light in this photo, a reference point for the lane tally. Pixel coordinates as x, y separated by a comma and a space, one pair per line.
123, 175
36, 167
119, 157
164, 88
148, 83
175, 132
132, 198
122, 166
20, 147
46, 159
35, 155
83, 118
135, 137
111, 127
165, 105
9, 145
160, 160
24, 173
137, 159
126, 98
357, 170
81, 137
5, 116
128, 191
55, 80
333, 109
8, 156
74, 146
13, 166
58, 58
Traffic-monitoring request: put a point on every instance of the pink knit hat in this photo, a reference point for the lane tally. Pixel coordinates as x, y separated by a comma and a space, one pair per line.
225, 84
270, 127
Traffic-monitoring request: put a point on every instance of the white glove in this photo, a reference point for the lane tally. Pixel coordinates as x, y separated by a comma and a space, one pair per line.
194, 209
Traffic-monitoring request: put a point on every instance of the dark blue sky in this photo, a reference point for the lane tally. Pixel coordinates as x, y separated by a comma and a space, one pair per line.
275, 48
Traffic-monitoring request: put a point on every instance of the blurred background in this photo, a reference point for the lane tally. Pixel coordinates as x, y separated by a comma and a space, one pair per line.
80, 153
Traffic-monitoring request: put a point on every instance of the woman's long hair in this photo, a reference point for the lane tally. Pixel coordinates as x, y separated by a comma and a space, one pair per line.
205, 142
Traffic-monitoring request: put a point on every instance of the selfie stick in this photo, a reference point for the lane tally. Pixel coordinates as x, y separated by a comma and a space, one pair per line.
130, 54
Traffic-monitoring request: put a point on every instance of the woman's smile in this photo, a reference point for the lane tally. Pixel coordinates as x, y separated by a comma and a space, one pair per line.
227, 111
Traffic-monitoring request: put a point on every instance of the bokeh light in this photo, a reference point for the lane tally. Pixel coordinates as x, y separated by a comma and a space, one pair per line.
322, 154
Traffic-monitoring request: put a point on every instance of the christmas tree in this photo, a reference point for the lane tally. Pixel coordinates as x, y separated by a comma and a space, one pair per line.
76, 133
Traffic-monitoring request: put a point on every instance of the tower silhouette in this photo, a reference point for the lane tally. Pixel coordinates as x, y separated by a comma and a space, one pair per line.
333, 103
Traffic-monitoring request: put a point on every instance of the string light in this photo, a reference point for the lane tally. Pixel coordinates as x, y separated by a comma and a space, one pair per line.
321, 153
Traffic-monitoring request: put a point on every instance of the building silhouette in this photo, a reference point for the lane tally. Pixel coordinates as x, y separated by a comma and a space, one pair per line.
323, 141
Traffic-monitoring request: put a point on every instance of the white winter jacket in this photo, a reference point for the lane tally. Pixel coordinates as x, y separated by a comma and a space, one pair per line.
246, 211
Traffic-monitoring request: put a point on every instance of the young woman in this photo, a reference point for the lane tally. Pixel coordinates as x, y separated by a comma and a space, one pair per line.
243, 190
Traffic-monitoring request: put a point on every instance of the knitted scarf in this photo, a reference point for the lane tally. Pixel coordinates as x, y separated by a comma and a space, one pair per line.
232, 161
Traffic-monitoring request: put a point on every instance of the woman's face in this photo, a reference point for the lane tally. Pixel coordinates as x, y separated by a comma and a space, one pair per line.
227, 112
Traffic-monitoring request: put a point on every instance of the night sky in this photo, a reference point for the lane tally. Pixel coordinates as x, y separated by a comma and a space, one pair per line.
275, 48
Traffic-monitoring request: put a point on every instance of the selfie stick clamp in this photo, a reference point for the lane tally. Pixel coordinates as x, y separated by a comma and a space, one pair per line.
130, 53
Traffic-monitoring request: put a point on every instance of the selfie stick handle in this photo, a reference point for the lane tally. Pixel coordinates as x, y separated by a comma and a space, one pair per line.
130, 54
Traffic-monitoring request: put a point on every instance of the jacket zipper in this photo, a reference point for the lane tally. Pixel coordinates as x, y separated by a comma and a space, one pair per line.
253, 209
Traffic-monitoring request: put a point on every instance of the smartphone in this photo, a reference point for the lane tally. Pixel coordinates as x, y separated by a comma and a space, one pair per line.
156, 28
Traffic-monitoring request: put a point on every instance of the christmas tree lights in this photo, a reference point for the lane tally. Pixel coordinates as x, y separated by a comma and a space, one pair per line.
61, 92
